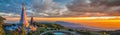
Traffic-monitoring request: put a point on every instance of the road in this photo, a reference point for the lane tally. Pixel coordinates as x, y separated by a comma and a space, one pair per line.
73, 33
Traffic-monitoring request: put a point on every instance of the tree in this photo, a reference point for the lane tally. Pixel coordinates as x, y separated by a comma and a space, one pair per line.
30, 33
23, 31
1, 25
104, 33
2, 20
43, 25
50, 33
12, 33
16, 32
54, 25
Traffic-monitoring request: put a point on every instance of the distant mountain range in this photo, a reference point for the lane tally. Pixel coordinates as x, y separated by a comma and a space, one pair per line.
77, 26
67, 25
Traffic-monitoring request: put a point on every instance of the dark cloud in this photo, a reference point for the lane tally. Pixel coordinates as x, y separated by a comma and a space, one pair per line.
100, 7
106, 2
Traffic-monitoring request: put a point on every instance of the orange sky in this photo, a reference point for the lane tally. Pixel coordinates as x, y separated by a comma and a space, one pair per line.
99, 22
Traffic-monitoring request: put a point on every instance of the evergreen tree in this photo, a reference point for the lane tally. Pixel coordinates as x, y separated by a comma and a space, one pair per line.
104, 33
1, 25
30, 33
16, 33
38, 31
54, 25
23, 31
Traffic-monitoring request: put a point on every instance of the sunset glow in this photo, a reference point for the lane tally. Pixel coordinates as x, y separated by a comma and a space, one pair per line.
99, 22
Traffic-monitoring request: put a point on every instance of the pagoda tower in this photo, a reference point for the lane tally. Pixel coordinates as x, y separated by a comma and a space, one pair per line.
32, 20
23, 19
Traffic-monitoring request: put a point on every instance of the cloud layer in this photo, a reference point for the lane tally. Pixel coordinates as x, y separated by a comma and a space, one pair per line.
95, 7
61, 8
48, 8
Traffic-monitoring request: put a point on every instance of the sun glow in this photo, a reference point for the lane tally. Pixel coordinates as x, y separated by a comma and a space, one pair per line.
108, 22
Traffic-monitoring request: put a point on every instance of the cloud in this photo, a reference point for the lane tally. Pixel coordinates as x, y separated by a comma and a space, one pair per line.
62, 8
106, 7
9, 14
48, 8
12, 7
37, 7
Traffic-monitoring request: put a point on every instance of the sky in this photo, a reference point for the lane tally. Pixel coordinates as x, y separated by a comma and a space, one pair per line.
96, 11
60, 8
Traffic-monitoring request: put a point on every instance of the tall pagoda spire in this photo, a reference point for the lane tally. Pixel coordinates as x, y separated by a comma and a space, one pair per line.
32, 20
23, 18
